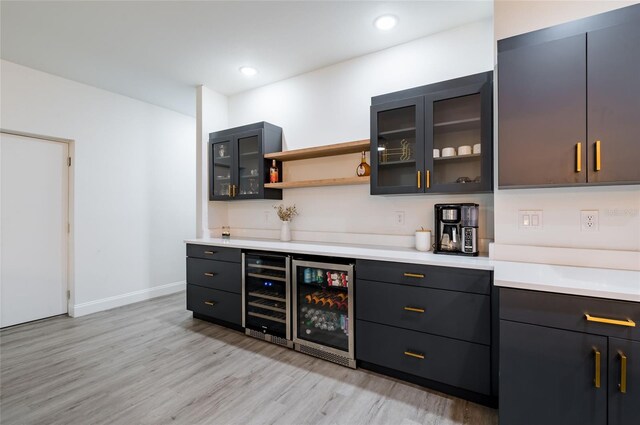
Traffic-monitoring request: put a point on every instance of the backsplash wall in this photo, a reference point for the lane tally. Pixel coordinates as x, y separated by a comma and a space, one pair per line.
331, 105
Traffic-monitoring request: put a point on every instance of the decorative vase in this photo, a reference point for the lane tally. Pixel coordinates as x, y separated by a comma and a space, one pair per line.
285, 231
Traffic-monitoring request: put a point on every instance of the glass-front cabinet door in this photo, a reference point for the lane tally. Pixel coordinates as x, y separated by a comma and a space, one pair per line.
323, 308
458, 140
397, 147
249, 167
221, 164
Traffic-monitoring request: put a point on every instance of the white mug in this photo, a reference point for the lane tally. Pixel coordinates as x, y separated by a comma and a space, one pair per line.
476, 148
464, 150
423, 240
436, 153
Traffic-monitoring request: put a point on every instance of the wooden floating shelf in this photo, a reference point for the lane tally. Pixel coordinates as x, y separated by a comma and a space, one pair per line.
319, 152
342, 181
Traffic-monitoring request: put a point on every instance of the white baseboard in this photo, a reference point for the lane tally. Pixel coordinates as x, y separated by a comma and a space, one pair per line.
124, 299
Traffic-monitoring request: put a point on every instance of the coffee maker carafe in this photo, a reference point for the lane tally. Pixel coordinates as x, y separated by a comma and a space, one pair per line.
456, 229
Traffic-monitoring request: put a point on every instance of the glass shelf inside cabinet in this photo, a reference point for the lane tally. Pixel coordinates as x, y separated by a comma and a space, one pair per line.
456, 130
397, 146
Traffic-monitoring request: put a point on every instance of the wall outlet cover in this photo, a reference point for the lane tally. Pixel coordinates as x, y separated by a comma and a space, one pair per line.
589, 220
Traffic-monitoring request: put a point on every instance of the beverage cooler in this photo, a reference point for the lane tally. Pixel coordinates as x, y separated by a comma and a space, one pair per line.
323, 320
266, 297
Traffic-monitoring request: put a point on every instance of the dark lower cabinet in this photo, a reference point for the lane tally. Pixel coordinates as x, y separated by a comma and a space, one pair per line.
547, 376
568, 360
624, 382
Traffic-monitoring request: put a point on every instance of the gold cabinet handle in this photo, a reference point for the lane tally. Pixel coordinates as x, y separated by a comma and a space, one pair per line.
208, 274
414, 355
623, 373
628, 322
578, 157
233, 190
598, 164
596, 360
417, 275
211, 303
209, 252
229, 191
427, 179
419, 179
415, 310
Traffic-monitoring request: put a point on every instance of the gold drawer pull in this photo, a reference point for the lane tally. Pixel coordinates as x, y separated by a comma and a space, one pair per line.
623, 372
415, 310
209, 252
427, 179
628, 322
209, 274
418, 275
598, 163
578, 157
415, 355
596, 359
211, 303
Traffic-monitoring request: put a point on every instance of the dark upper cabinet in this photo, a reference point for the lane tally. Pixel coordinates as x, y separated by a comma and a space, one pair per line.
237, 168
548, 376
613, 87
407, 126
569, 102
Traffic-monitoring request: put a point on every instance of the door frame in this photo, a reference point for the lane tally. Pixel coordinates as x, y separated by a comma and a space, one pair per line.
70, 209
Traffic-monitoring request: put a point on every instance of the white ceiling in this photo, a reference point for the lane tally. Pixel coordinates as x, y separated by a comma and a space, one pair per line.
158, 51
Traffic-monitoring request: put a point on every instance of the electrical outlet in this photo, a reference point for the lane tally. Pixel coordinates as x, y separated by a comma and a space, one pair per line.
398, 219
589, 220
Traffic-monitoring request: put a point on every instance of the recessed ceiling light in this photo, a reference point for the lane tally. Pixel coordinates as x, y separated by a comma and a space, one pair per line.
248, 71
385, 22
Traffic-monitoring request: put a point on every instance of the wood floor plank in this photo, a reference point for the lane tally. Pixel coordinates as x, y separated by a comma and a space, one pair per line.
152, 363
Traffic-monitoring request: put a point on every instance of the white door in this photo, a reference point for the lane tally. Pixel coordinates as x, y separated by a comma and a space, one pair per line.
34, 180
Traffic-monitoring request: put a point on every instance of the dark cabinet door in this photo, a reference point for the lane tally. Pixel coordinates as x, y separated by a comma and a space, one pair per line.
542, 106
397, 147
221, 164
624, 382
248, 165
550, 376
613, 63
459, 118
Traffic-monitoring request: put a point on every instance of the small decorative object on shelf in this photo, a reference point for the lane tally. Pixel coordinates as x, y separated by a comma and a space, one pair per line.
222, 151
363, 169
226, 232
285, 214
273, 173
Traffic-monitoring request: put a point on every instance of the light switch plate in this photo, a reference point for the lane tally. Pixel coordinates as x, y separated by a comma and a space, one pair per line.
530, 219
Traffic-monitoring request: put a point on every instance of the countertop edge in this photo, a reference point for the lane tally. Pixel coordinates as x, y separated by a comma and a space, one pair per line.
557, 289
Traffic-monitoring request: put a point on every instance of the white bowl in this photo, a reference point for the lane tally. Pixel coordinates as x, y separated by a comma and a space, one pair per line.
464, 150
448, 152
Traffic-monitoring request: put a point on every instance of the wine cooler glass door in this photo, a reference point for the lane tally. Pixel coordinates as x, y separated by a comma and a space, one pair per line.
323, 306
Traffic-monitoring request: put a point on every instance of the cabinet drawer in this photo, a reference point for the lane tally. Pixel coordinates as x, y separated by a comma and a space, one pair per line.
214, 253
215, 274
569, 312
465, 280
457, 363
453, 314
216, 304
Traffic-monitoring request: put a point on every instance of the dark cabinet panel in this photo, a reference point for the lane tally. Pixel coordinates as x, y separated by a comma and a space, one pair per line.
549, 376
454, 279
542, 107
613, 63
397, 147
215, 274
624, 382
447, 313
215, 304
218, 253
457, 363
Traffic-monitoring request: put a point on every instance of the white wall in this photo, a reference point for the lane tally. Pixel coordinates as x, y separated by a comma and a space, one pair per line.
212, 114
619, 206
331, 105
133, 182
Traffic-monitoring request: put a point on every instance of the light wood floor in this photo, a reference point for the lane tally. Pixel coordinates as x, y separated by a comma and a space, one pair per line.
152, 363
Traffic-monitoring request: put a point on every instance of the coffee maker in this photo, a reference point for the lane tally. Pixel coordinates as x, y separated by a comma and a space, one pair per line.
456, 227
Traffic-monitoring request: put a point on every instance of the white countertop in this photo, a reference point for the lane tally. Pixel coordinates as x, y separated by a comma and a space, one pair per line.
592, 282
